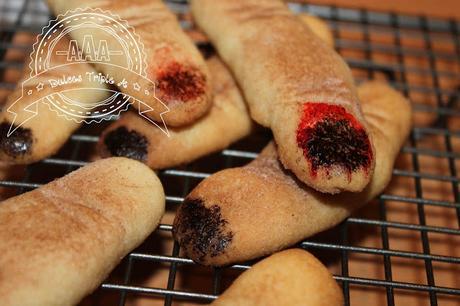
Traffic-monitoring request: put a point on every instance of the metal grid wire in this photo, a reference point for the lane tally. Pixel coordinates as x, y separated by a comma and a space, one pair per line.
373, 43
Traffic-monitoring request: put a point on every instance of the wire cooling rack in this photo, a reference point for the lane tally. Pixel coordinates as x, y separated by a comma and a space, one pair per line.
403, 248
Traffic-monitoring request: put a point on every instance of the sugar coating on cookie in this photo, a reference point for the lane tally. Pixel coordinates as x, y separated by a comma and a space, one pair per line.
331, 137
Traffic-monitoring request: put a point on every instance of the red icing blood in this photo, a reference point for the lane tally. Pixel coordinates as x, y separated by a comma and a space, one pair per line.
329, 136
179, 82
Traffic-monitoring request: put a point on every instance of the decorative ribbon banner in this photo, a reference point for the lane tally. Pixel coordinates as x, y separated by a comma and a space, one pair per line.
40, 88
60, 67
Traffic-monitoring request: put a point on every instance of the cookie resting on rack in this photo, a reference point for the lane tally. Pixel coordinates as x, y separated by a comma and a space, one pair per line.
296, 85
173, 62
243, 213
61, 240
291, 277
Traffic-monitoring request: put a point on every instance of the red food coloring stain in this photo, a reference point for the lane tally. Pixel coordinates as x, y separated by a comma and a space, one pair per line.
329, 136
180, 82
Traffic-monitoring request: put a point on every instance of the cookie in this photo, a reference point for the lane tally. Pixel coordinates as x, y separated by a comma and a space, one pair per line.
291, 277
296, 85
60, 241
172, 60
244, 213
44, 134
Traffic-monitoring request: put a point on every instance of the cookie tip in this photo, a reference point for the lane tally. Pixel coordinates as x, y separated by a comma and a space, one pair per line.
201, 231
331, 137
126, 143
18, 143
177, 82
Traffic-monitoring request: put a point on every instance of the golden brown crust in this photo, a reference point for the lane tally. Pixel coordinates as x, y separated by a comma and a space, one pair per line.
291, 277
227, 121
231, 212
61, 240
281, 66
170, 56
44, 134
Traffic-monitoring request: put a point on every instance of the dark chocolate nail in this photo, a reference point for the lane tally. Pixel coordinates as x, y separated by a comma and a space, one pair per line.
17, 144
329, 136
201, 230
130, 144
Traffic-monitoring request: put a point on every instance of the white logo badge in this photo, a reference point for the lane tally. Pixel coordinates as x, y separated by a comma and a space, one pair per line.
107, 42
